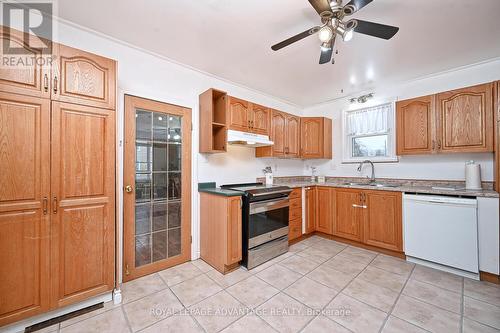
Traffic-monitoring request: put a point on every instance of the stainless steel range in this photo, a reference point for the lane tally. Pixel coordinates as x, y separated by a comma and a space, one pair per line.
265, 222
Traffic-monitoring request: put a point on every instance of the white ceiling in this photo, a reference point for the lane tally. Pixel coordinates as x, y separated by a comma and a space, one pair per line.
232, 39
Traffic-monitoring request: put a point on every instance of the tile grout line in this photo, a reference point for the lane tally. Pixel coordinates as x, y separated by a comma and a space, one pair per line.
462, 301
126, 319
391, 310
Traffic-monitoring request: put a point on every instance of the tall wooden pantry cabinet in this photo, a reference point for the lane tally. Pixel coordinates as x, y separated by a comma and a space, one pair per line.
57, 180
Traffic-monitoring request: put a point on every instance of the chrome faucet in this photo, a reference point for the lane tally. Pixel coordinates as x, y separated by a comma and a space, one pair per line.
372, 179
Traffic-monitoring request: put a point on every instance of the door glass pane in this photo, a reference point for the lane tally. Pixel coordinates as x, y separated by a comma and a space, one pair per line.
158, 177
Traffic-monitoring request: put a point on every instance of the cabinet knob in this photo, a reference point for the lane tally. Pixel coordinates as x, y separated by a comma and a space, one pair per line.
128, 188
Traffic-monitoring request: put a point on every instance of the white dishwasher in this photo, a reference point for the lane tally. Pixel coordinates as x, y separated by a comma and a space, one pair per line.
442, 230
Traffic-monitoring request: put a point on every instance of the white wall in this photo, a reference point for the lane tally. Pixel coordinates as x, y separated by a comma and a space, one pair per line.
446, 167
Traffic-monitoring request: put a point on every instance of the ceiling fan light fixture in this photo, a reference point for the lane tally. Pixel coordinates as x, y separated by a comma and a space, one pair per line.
325, 34
326, 46
347, 35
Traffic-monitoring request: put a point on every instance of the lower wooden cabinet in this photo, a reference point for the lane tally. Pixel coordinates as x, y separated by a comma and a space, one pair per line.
348, 214
370, 217
383, 219
310, 209
221, 231
325, 209
295, 215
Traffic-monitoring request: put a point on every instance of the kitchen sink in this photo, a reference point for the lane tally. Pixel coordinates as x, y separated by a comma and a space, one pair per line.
371, 184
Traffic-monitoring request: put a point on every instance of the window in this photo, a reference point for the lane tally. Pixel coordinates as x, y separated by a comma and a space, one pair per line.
368, 134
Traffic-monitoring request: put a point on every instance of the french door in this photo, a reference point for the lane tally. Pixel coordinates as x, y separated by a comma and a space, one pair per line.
157, 186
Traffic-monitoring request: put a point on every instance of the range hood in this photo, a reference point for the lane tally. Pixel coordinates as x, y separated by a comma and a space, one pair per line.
248, 139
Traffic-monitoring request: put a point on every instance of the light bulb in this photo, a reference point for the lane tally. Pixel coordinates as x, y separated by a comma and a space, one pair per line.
325, 34
347, 35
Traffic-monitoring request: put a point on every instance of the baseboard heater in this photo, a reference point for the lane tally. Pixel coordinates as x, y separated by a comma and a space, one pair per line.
56, 320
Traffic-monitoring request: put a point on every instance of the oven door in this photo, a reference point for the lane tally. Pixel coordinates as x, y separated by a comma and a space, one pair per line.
268, 220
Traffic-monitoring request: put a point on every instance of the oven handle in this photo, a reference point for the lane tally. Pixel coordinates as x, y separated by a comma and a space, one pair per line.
275, 192
265, 206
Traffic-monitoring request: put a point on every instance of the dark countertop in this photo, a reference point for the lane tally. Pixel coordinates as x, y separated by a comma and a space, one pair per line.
212, 189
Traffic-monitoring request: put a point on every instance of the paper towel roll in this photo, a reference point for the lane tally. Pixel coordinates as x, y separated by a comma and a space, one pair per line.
472, 176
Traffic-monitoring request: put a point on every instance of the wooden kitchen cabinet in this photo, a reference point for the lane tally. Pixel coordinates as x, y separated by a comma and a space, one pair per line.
26, 78
465, 119
349, 214
24, 206
460, 120
311, 213
383, 219
213, 121
295, 214
316, 138
221, 231
248, 117
83, 78
415, 124
82, 202
285, 133
325, 209
259, 121
57, 197
496, 119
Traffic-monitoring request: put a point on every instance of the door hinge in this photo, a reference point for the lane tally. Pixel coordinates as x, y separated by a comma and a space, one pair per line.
127, 272
191, 127
191, 239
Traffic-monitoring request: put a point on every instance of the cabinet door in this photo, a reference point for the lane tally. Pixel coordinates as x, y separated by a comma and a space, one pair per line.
83, 78
278, 122
311, 140
415, 123
292, 136
238, 114
310, 209
24, 218
234, 240
324, 221
83, 202
466, 119
259, 119
20, 73
349, 214
383, 222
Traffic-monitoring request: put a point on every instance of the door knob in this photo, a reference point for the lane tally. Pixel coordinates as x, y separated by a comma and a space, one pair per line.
128, 188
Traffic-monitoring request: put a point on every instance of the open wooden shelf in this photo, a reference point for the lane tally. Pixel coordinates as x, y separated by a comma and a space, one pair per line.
213, 121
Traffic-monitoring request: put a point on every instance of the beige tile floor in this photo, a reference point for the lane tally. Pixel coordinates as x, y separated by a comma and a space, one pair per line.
319, 286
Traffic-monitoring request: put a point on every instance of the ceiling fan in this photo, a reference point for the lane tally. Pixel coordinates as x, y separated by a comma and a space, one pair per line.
332, 15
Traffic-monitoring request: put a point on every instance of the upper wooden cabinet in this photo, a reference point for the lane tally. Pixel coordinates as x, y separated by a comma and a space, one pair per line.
465, 119
316, 137
238, 114
415, 123
25, 77
213, 121
258, 117
285, 135
248, 117
83, 78
454, 121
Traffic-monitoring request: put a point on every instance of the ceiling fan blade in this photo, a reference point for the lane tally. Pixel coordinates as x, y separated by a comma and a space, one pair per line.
295, 38
326, 55
375, 29
358, 4
321, 5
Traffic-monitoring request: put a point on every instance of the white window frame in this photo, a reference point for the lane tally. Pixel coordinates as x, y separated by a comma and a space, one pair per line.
391, 138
